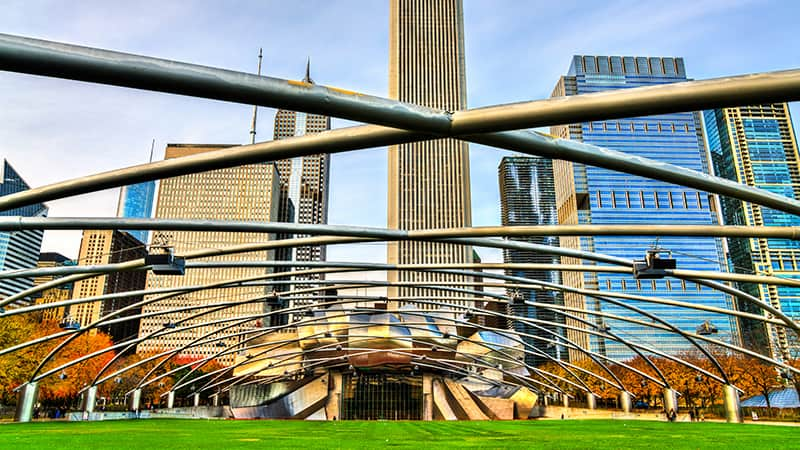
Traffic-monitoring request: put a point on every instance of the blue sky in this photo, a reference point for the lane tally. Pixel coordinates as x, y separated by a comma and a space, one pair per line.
52, 130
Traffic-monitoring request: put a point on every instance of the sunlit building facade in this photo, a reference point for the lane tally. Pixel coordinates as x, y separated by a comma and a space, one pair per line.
244, 193
55, 294
591, 195
756, 146
101, 247
428, 181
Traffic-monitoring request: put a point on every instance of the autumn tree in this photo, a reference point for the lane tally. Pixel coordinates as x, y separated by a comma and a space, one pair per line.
759, 378
64, 386
637, 384
794, 377
17, 367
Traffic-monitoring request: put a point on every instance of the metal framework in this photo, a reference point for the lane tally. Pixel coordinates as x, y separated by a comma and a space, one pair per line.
392, 122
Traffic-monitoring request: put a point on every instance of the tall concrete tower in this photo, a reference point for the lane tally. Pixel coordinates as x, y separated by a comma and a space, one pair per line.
428, 181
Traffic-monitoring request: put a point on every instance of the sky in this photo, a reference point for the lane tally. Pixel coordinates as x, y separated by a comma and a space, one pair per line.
52, 130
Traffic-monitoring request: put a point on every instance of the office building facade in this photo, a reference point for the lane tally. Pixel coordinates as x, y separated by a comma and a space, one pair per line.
100, 247
527, 196
55, 294
304, 187
245, 193
428, 181
756, 146
590, 195
18, 249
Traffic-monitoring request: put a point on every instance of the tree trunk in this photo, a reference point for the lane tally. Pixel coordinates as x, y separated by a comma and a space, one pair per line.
769, 405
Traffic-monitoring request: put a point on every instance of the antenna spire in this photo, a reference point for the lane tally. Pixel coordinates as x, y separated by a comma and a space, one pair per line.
308, 79
255, 107
152, 146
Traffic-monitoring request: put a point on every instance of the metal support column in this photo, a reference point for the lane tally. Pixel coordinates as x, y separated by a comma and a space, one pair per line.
26, 401
215, 399
733, 410
89, 399
427, 396
565, 400
196, 399
134, 400
670, 400
625, 401
591, 401
170, 399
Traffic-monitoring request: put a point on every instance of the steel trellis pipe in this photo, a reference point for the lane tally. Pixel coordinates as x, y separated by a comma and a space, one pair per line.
41, 57
369, 136
237, 282
22, 223
485, 242
69, 61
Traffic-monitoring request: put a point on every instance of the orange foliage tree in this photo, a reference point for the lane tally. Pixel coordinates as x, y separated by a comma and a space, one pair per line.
65, 385
17, 367
118, 386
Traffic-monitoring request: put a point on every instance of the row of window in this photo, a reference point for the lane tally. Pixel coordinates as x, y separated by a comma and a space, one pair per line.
642, 199
647, 127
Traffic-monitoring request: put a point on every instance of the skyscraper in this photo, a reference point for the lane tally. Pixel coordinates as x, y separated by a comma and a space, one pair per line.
304, 183
586, 194
18, 249
428, 181
244, 193
755, 145
55, 294
100, 247
136, 202
528, 197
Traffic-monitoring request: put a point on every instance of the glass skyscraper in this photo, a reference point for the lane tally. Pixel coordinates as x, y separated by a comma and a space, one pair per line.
755, 145
527, 196
136, 202
18, 249
591, 195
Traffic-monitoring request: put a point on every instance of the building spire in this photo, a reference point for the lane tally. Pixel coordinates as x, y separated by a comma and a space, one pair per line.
152, 146
308, 79
255, 107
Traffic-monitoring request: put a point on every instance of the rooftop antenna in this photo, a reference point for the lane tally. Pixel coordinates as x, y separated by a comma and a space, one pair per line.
255, 107
308, 79
152, 146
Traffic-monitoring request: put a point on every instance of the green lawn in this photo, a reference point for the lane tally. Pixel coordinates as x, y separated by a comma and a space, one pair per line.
156, 434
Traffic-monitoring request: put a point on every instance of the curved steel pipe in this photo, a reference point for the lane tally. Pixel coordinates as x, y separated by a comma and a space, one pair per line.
22, 223
102, 66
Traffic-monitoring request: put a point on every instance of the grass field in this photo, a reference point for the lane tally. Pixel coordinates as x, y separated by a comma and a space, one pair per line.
200, 434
